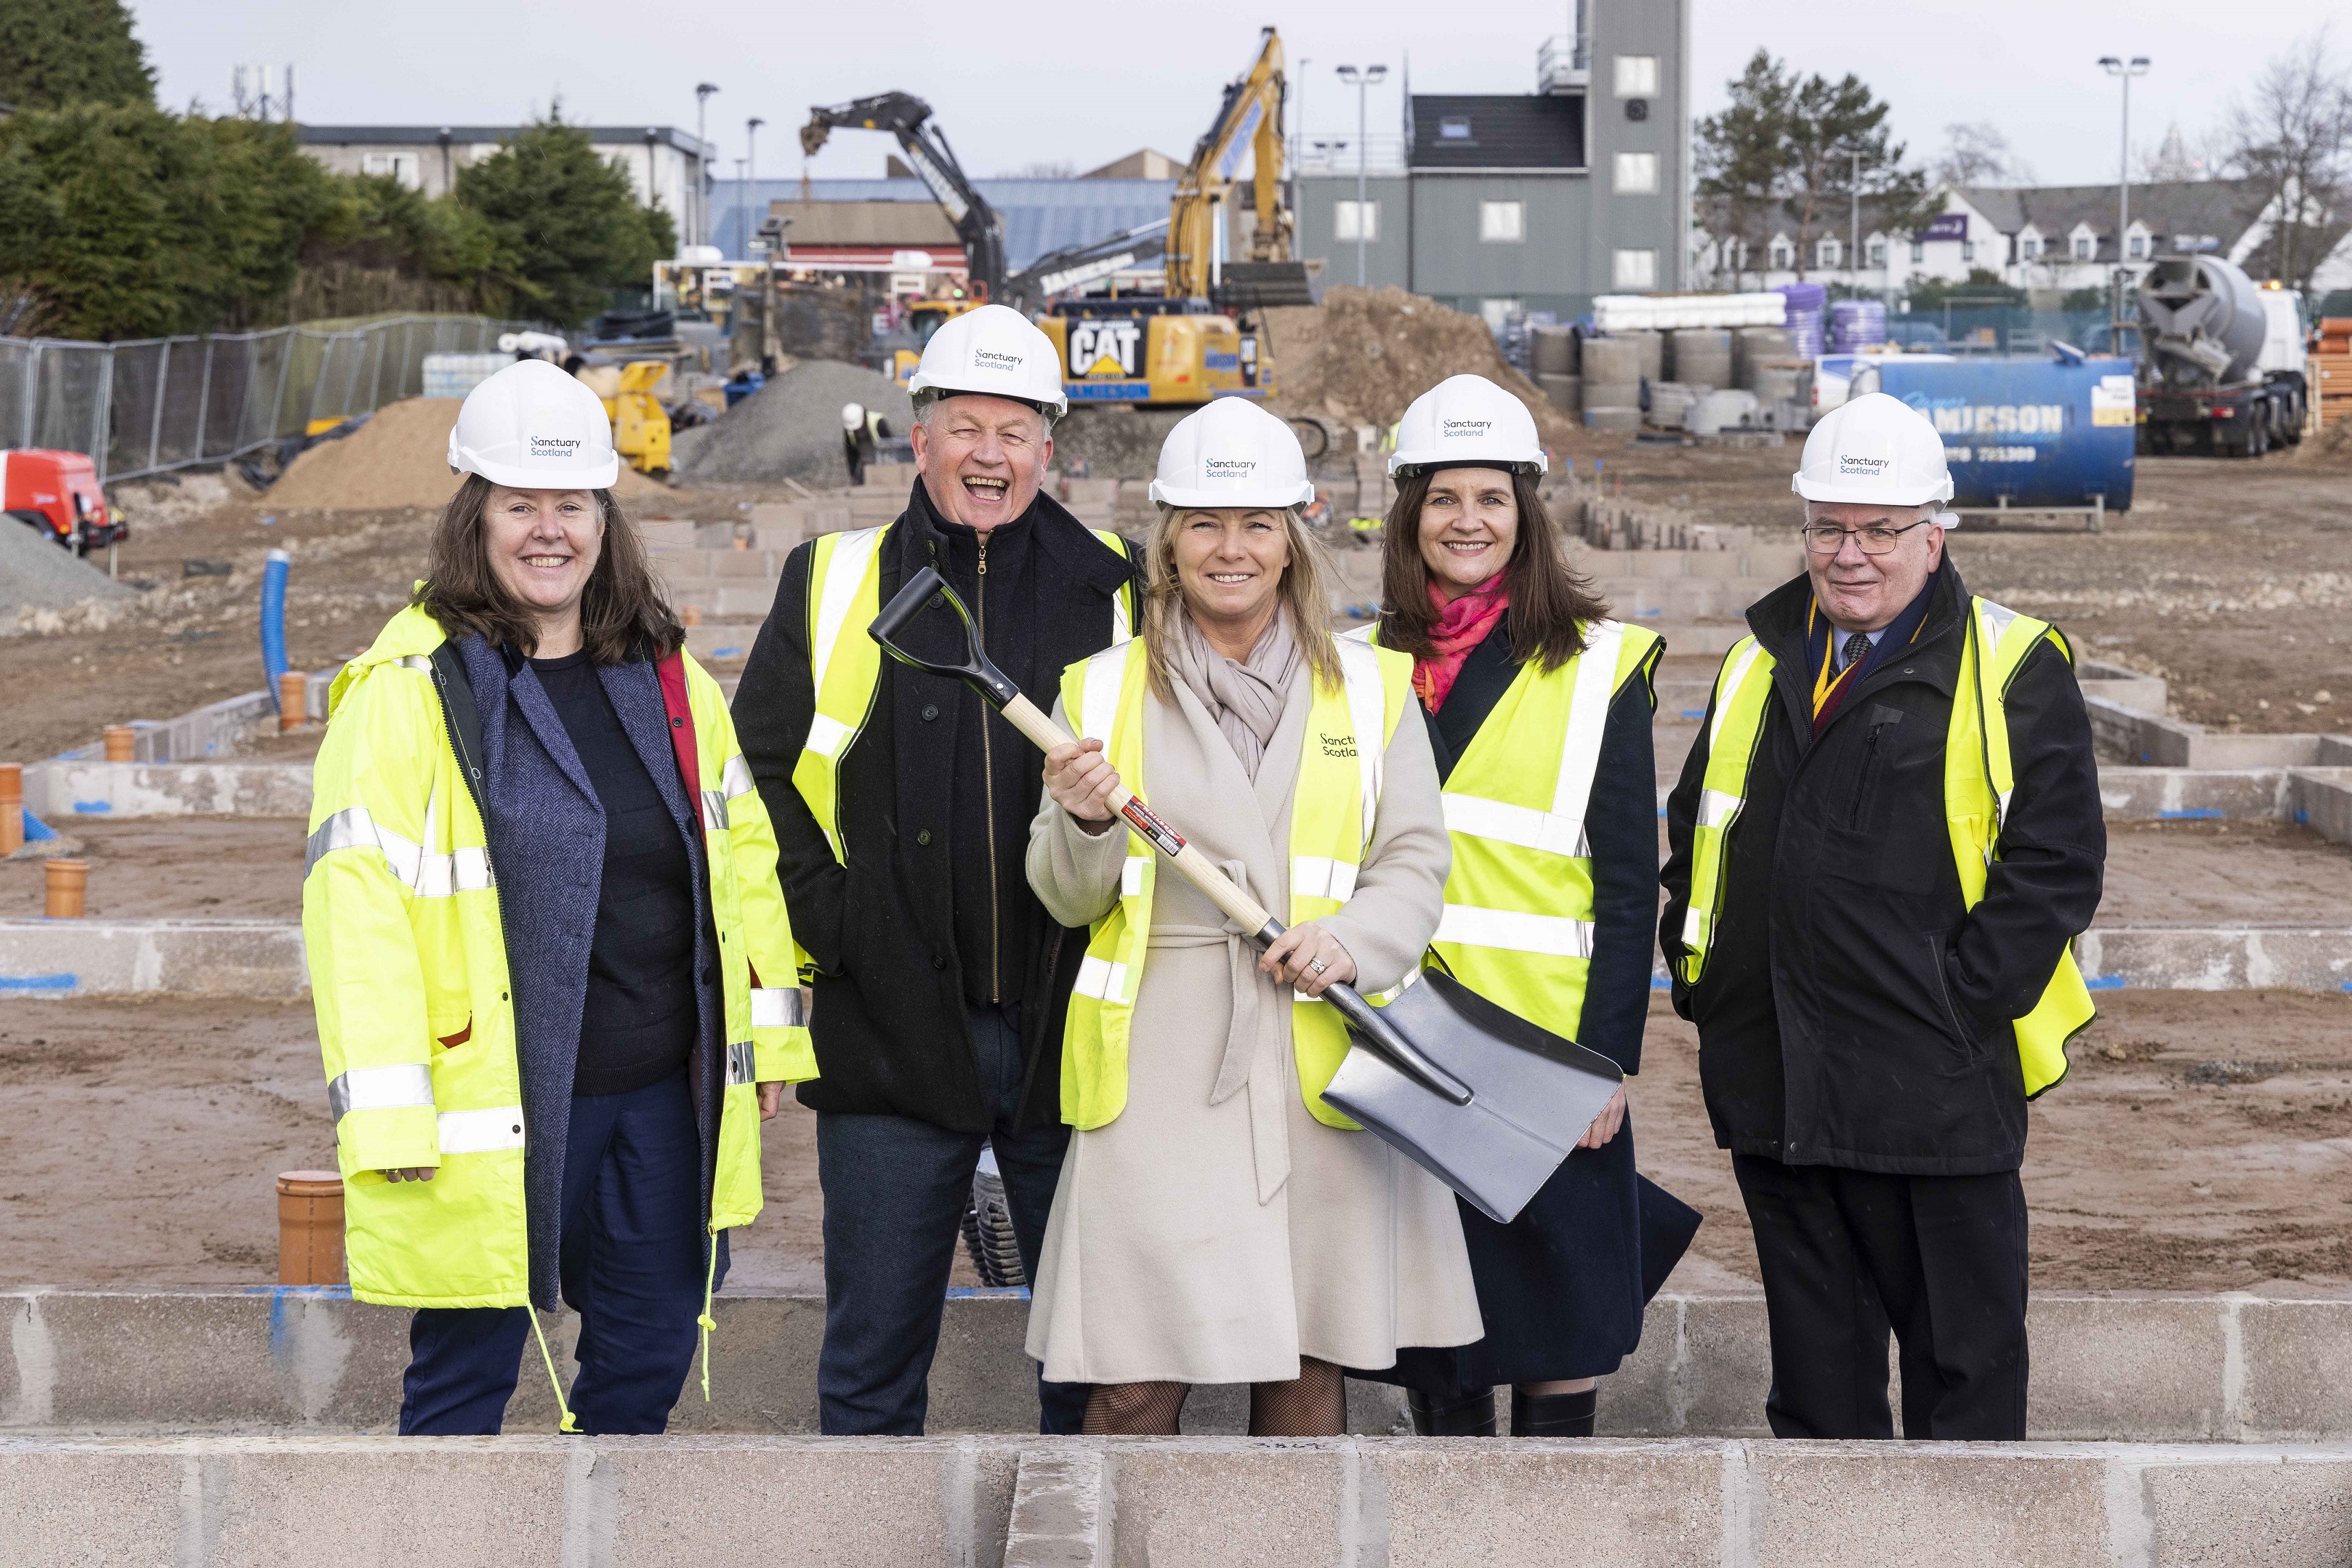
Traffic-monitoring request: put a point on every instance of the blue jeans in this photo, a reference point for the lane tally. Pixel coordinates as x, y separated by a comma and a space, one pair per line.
895, 1190
631, 1267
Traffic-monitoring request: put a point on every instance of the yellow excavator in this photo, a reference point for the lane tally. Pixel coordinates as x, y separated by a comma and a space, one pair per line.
1182, 347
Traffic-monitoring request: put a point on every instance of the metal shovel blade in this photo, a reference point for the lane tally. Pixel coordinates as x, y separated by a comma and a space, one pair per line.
1532, 1095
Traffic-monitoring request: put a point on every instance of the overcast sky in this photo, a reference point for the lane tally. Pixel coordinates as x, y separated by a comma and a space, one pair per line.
1084, 83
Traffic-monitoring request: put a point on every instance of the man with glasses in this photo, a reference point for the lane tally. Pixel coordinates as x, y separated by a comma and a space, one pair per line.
1881, 847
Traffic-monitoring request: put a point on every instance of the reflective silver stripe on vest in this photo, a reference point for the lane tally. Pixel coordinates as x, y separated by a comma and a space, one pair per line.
1130, 875
1552, 934
1587, 717
480, 1132
1099, 696
779, 1007
736, 778
1717, 809
842, 579
826, 736
714, 811
1522, 826
1101, 979
380, 1088
414, 661
1729, 688
741, 1063
426, 875
1314, 876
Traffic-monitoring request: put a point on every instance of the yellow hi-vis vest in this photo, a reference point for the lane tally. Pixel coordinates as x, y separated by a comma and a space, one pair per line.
844, 595
1517, 927
1332, 809
408, 973
1977, 780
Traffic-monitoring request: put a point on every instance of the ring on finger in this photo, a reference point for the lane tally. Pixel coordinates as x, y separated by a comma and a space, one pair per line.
1318, 966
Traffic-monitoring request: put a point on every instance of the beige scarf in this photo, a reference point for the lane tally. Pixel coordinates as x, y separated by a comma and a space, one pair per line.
1245, 697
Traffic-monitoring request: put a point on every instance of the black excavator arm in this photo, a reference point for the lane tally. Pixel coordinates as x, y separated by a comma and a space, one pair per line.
908, 118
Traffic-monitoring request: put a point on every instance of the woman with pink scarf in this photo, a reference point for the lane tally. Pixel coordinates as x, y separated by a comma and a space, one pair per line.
1539, 709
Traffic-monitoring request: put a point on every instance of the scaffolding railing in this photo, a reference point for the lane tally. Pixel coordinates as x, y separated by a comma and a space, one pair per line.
158, 403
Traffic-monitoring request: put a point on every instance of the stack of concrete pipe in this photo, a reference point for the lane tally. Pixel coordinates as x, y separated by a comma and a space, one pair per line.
1614, 369
1701, 356
1754, 347
1553, 350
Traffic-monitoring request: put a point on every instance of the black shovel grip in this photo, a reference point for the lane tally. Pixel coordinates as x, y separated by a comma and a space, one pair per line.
921, 591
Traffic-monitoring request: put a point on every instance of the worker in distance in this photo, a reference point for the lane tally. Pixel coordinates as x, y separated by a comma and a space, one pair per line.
550, 956
902, 803
1881, 848
1217, 1221
1537, 706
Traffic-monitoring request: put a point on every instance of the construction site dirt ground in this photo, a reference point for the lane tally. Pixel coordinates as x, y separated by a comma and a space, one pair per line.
2203, 1143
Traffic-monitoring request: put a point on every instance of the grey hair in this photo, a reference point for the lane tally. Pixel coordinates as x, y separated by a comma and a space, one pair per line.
930, 398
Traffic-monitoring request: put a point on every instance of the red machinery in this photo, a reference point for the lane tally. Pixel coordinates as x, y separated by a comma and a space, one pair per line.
58, 493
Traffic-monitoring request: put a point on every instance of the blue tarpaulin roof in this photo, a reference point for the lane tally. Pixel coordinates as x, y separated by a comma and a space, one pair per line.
1039, 215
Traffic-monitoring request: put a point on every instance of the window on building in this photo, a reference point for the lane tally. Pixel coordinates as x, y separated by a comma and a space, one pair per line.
1826, 253
1784, 259
2140, 247
1878, 253
401, 166
1918, 251
1352, 221
1454, 127
1637, 173
1968, 250
1502, 223
1497, 314
1636, 269
1637, 75
2082, 247
2028, 248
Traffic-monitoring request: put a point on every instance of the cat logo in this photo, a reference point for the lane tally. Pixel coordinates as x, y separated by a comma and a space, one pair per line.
1106, 349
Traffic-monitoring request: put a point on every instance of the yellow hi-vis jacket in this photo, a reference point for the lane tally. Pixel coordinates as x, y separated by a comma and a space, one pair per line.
408, 973
1977, 778
844, 595
1333, 808
1517, 927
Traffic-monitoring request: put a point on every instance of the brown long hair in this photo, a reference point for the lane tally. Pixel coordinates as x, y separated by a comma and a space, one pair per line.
624, 615
1548, 599
1305, 594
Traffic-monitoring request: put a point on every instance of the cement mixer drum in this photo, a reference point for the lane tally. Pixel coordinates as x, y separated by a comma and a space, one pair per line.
2204, 322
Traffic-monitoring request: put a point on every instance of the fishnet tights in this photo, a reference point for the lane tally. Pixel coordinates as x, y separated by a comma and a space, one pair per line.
1312, 1405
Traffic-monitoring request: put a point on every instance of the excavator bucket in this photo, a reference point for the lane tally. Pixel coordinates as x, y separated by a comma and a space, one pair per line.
1252, 285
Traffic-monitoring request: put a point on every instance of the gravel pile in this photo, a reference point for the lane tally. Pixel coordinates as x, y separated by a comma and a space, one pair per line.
400, 457
791, 428
36, 575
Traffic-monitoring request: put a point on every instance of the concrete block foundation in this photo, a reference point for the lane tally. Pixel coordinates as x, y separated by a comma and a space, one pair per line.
120, 958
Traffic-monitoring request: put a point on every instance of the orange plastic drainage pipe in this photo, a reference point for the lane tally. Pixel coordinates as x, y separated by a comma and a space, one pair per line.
119, 741
67, 885
12, 808
309, 1228
293, 700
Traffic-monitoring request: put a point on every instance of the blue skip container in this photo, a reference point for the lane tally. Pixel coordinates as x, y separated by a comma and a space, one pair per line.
2028, 433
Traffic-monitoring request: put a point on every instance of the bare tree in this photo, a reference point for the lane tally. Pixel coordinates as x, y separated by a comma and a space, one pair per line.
2290, 138
1978, 154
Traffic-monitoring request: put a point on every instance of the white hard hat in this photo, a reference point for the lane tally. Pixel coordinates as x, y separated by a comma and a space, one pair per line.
1464, 422
1875, 449
532, 427
852, 415
1232, 453
997, 351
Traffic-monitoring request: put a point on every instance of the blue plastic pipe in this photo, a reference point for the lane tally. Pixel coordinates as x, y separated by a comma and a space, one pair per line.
273, 619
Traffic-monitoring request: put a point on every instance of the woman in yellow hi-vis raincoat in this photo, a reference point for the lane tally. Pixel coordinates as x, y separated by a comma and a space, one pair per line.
1216, 1221
550, 960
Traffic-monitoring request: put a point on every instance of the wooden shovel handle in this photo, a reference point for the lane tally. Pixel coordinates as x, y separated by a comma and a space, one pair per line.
1199, 869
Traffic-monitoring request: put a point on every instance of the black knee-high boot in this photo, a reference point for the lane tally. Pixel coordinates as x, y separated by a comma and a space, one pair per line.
1469, 1416
1553, 1414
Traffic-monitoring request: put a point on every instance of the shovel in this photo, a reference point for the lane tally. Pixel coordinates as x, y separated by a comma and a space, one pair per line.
1485, 1101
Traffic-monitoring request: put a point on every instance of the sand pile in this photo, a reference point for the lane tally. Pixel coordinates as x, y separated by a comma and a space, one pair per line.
791, 428
2331, 445
398, 458
1363, 354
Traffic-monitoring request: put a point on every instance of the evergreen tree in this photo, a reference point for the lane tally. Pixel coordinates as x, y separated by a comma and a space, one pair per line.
564, 225
56, 52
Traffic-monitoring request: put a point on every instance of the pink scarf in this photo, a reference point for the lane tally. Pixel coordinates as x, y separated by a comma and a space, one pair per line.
1461, 626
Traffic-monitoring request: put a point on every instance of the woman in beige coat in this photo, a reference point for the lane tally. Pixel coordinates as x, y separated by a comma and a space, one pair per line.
1214, 1225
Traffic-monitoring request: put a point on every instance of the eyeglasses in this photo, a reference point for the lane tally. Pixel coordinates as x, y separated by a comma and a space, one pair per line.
1828, 539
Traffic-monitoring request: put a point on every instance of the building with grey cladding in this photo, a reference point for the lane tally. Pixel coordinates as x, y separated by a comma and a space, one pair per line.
1493, 203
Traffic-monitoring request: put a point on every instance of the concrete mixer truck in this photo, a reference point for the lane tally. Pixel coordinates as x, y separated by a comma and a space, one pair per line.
2221, 367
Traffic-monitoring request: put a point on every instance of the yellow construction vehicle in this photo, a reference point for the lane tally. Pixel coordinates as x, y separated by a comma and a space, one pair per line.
924, 316
640, 425
1198, 339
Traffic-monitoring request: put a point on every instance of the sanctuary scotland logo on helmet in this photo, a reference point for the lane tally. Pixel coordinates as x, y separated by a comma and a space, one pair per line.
1458, 429
1234, 470
995, 359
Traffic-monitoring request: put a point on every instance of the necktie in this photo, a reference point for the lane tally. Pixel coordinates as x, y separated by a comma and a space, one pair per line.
1857, 649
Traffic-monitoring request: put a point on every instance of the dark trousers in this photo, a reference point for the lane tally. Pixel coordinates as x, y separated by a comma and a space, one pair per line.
631, 1268
895, 1190
1847, 1254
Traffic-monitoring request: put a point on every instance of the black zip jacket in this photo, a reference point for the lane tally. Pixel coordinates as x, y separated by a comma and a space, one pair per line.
1853, 1013
891, 983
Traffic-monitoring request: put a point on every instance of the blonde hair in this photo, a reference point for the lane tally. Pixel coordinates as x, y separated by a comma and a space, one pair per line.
1303, 595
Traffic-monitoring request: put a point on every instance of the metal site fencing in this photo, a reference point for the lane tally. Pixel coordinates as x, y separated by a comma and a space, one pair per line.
158, 403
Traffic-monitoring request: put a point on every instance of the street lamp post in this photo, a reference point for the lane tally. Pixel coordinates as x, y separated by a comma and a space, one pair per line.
1361, 80
2123, 70
1298, 141
751, 157
742, 222
702, 91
